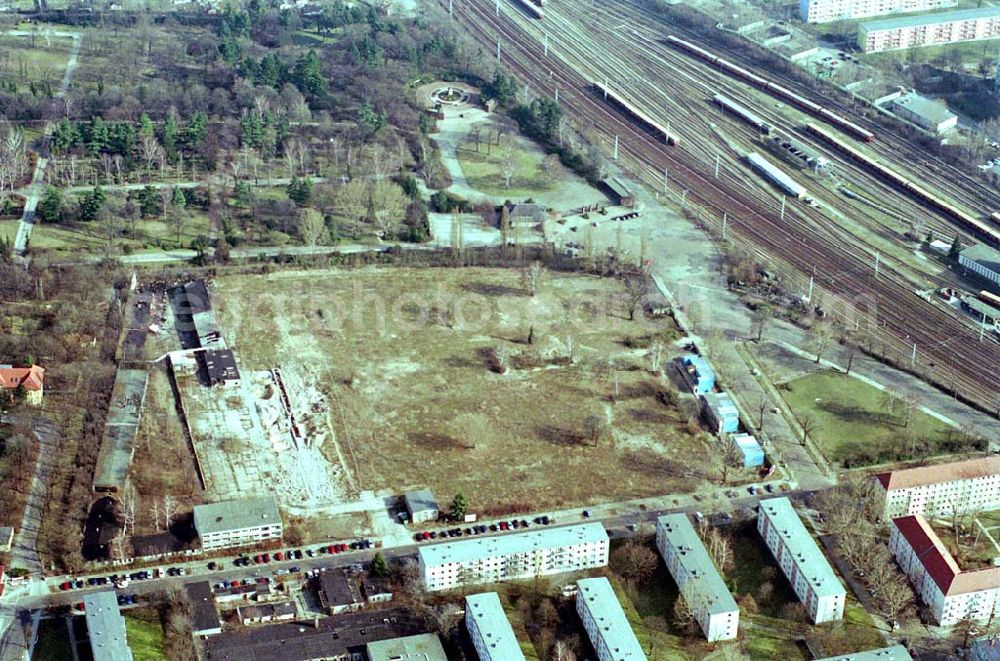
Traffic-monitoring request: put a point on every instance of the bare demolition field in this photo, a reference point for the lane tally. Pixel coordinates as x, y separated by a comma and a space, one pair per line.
410, 362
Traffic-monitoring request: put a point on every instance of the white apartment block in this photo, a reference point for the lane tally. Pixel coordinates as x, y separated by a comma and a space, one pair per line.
605, 622
824, 11
929, 29
235, 523
489, 628
697, 577
511, 557
802, 562
962, 486
951, 594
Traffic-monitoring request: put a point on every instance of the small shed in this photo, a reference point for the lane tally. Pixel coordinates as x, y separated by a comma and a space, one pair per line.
699, 375
421, 505
721, 413
620, 194
753, 454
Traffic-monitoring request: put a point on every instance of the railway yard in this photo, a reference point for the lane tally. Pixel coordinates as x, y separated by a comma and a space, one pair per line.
843, 242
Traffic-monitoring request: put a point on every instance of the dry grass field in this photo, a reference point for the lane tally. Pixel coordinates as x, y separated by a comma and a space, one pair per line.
407, 359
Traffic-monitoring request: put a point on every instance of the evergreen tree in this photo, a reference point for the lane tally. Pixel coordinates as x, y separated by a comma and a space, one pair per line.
307, 75
956, 248
150, 202
146, 126
299, 191
92, 203
65, 136
170, 138
50, 206
379, 568
196, 128
100, 138
459, 507
178, 201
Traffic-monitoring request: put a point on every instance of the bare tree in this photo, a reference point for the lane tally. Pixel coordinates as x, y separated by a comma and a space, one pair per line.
730, 457
807, 421
508, 162
656, 354
820, 339
636, 288
130, 500
760, 320
311, 226
634, 561
892, 400
531, 277
169, 506
388, 207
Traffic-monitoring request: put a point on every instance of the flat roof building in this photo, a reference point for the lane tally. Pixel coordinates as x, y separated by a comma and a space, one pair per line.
510, 557
825, 11
338, 593
106, 627
220, 367
234, 523
929, 114
893, 653
750, 450
721, 413
801, 560
968, 486
120, 427
489, 628
929, 29
263, 613
421, 506
983, 260
421, 647
605, 621
698, 374
204, 613
697, 577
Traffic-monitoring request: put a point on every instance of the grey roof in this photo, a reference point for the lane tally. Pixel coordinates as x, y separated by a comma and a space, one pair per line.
617, 187
721, 403
421, 647
776, 175
105, 627
204, 614
487, 612
930, 19
118, 444
195, 298
807, 556
236, 515
607, 612
702, 572
337, 589
220, 364
323, 638
421, 500
984, 309
525, 542
260, 611
984, 255
894, 653
534, 212
929, 111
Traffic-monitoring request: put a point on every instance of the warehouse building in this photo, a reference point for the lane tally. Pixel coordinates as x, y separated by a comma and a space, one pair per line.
721, 413
929, 29
951, 594
894, 653
235, 523
801, 560
489, 628
983, 260
775, 175
968, 486
106, 627
926, 113
697, 577
824, 11
605, 622
510, 557
697, 373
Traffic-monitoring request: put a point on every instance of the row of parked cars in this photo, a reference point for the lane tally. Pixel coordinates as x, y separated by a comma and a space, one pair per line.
122, 580
294, 554
481, 529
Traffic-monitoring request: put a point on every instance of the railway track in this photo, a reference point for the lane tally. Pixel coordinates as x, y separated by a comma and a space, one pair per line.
797, 241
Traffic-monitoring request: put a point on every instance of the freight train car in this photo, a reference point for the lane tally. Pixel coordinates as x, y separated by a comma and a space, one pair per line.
776, 175
533, 8
618, 99
970, 223
773, 88
743, 113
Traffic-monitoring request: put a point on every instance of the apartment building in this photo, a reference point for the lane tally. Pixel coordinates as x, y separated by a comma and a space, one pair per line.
510, 557
235, 523
824, 11
489, 628
801, 560
929, 29
964, 486
605, 622
697, 577
950, 593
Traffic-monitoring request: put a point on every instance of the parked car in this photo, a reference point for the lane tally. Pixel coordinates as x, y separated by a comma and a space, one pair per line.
213, 566
752, 489
66, 585
279, 556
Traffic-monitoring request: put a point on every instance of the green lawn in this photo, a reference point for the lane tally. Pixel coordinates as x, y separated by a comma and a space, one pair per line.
53, 641
851, 424
484, 174
145, 634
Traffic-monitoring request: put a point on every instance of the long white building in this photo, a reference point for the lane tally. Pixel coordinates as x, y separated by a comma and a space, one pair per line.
929, 29
489, 628
982, 259
697, 577
802, 562
950, 593
963, 486
510, 557
824, 11
605, 622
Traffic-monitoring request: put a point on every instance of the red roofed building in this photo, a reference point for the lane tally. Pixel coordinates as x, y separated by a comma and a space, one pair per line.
964, 486
31, 378
951, 594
